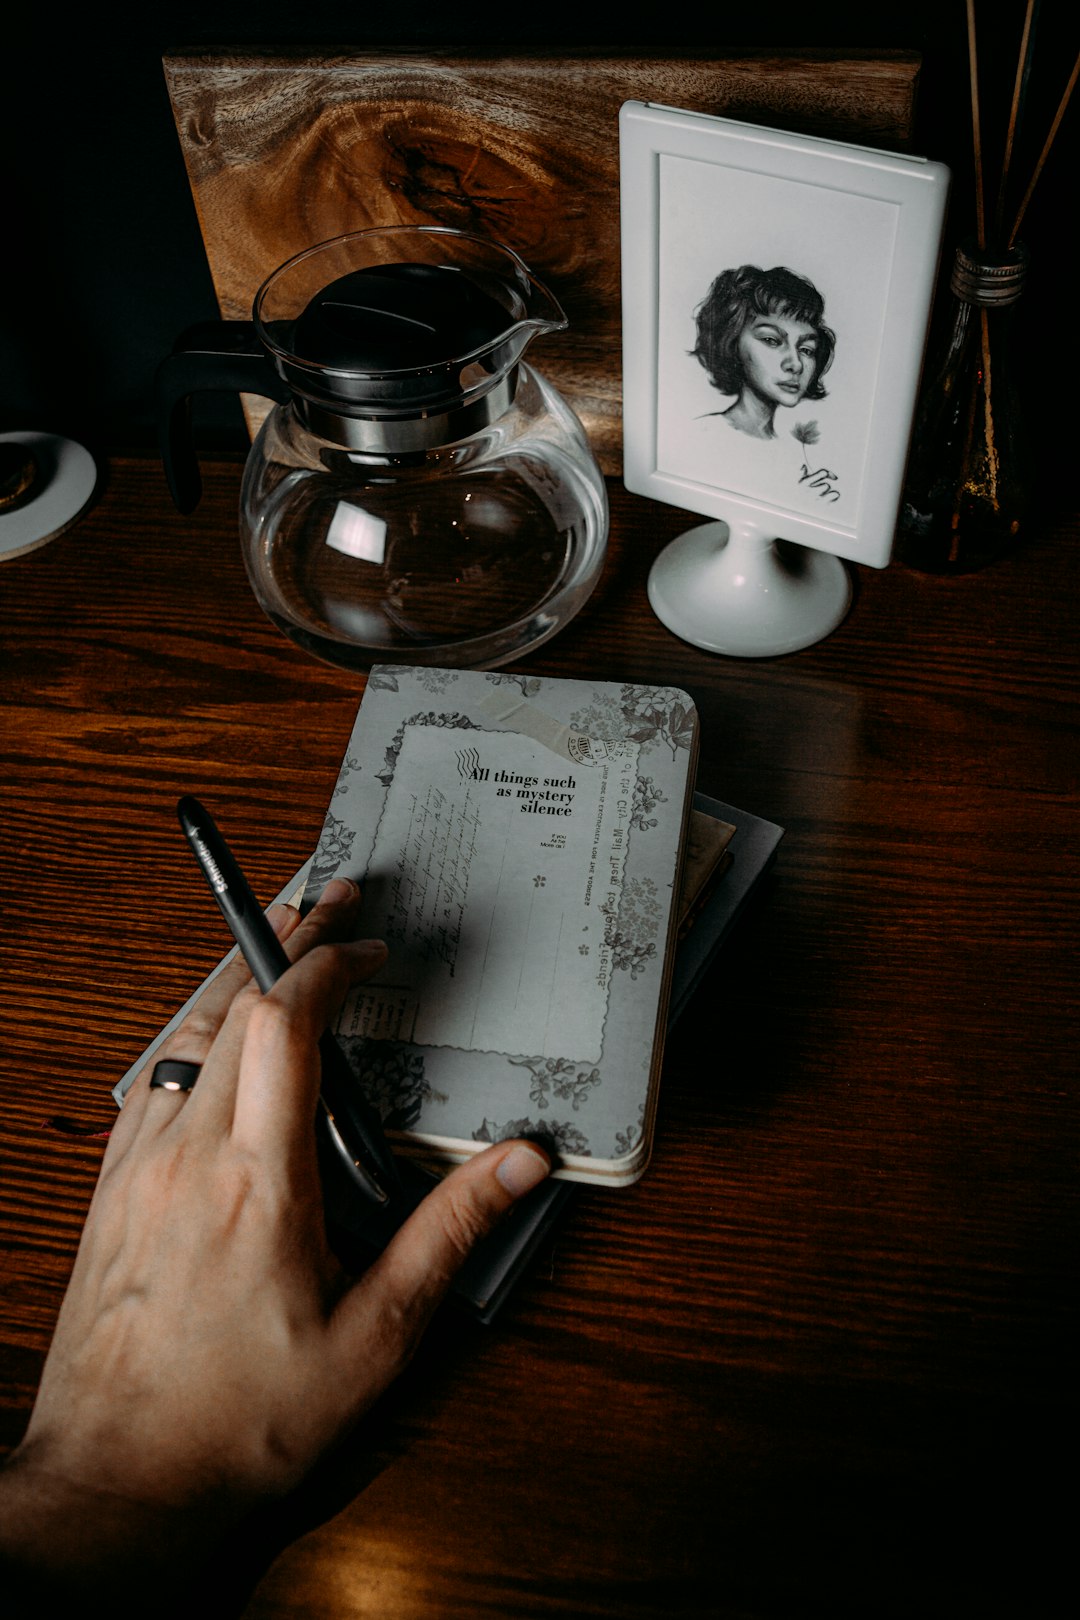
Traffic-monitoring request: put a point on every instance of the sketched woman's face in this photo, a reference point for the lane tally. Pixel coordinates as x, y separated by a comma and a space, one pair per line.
778, 356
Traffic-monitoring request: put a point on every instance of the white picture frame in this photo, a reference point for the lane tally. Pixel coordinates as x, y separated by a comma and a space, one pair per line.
813, 455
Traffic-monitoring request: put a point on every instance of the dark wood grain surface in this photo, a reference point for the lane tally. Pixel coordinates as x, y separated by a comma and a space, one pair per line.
821, 1359
283, 152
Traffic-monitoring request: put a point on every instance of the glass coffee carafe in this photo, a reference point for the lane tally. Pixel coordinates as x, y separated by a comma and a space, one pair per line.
418, 494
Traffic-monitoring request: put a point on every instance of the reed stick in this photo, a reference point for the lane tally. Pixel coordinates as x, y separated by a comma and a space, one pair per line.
976, 134
1016, 110
1045, 153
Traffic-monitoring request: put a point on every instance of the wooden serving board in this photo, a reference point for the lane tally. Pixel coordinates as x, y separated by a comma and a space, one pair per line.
283, 152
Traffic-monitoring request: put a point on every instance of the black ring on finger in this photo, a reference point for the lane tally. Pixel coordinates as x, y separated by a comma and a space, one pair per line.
172, 1074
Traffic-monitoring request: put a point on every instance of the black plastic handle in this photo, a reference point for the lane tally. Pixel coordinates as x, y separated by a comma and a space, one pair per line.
221, 356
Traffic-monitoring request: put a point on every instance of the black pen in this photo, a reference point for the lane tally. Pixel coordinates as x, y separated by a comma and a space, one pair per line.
353, 1125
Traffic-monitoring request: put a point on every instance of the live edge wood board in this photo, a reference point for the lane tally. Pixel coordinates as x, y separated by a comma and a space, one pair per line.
284, 152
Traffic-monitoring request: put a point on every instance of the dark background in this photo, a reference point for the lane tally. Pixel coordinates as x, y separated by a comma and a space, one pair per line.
103, 263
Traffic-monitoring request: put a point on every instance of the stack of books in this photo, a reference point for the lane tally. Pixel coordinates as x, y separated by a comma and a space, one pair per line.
552, 892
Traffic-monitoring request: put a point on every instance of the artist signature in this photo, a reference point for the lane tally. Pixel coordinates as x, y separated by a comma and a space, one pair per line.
821, 479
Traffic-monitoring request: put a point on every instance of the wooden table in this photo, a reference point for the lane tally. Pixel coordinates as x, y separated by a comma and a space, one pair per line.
821, 1358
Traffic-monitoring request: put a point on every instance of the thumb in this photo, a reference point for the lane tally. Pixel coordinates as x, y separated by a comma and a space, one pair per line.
411, 1276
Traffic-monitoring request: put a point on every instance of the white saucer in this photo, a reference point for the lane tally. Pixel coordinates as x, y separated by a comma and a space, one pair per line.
69, 476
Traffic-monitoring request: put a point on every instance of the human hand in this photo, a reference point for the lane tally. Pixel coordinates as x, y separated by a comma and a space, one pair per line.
210, 1348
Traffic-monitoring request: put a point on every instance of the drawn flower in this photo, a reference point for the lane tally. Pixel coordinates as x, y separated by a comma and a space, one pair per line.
349, 767
639, 910
560, 1076
564, 1138
646, 798
641, 714
654, 714
631, 955
806, 432
627, 1141
435, 680
457, 721
335, 847
394, 1079
601, 718
529, 685
628, 924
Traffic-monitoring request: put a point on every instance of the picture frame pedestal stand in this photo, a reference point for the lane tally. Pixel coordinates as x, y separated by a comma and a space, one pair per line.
735, 588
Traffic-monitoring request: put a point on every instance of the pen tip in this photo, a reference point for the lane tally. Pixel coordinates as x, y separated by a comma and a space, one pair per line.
189, 811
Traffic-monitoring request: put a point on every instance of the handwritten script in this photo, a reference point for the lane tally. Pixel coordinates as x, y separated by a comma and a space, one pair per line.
490, 868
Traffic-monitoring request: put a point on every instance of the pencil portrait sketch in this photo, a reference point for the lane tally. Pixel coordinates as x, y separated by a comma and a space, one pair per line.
773, 293
768, 332
776, 289
761, 335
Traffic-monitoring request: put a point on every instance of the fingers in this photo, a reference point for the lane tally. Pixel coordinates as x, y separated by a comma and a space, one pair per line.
405, 1284
193, 1037
279, 1064
211, 1106
191, 1041
259, 1056
332, 918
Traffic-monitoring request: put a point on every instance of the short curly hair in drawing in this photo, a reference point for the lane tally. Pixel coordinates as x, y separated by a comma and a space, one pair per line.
736, 298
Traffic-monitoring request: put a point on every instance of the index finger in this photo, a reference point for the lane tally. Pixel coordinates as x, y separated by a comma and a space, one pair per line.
280, 1070
214, 1102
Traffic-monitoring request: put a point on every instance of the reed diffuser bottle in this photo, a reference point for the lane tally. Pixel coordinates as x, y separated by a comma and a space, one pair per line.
968, 486
967, 489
